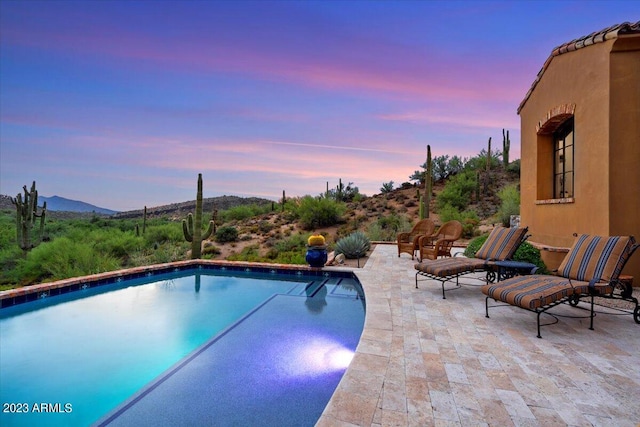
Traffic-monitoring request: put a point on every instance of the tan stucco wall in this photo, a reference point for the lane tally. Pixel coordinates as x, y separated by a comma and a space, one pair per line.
624, 162
605, 88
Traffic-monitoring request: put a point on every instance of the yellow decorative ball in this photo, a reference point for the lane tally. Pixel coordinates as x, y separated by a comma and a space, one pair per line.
316, 240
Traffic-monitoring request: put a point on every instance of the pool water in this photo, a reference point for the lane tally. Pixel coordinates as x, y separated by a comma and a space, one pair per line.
196, 348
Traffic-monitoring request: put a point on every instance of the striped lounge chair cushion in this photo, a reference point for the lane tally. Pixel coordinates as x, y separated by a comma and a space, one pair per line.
501, 244
596, 258
446, 267
532, 292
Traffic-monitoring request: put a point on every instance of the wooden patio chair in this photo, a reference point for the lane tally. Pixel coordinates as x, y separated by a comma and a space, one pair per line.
440, 243
408, 241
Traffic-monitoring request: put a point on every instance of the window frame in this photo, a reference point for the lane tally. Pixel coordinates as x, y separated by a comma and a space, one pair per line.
564, 160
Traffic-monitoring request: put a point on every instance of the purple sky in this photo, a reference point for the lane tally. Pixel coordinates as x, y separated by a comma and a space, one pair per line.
122, 104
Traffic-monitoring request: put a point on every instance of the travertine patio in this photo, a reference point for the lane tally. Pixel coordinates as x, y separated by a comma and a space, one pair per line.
425, 361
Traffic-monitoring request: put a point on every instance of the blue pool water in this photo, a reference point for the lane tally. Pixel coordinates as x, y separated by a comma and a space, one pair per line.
189, 348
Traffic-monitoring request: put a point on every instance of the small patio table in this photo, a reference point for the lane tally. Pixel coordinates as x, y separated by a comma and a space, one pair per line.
509, 269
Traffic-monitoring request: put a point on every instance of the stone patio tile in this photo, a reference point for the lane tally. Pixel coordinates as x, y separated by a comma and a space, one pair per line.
425, 361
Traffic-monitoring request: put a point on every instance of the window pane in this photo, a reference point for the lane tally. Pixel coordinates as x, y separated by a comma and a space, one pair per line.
568, 158
568, 184
558, 191
559, 164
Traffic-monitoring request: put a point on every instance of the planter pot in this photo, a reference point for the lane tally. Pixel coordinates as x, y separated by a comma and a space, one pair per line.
316, 256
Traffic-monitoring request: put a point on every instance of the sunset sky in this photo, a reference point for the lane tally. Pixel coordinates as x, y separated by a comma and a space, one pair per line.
122, 104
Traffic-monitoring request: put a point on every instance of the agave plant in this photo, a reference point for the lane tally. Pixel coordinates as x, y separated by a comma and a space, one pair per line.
353, 246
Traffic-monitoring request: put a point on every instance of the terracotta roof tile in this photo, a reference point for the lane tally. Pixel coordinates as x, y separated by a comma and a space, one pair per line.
593, 38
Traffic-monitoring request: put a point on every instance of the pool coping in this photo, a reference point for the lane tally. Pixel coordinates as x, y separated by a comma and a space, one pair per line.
24, 294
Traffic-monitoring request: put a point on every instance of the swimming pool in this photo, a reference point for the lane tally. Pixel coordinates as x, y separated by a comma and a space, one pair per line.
192, 347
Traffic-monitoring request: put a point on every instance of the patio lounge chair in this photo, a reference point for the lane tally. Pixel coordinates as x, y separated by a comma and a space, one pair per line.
408, 242
501, 244
440, 243
590, 269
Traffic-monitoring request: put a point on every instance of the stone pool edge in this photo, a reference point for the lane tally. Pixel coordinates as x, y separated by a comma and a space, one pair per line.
24, 294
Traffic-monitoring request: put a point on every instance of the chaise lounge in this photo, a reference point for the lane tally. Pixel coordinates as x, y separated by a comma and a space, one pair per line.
590, 269
501, 244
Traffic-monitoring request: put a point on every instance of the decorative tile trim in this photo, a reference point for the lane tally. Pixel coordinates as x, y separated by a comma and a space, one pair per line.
30, 293
554, 118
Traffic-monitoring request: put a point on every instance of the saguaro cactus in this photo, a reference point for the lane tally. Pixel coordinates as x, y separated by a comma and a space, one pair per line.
489, 155
506, 144
193, 232
428, 183
284, 199
339, 190
26, 214
144, 220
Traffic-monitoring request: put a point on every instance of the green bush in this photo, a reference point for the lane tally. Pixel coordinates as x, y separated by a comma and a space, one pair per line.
510, 197
163, 233
386, 228
226, 234
525, 253
63, 258
469, 219
319, 212
457, 192
242, 212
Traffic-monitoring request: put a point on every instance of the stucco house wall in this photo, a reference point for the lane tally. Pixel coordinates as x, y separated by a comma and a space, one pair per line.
596, 82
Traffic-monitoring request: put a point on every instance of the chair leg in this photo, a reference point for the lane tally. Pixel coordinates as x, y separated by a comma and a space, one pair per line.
539, 313
486, 307
592, 314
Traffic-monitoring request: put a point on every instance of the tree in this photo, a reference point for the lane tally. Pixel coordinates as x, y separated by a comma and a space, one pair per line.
387, 187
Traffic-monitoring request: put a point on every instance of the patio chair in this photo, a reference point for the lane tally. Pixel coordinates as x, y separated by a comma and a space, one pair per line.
440, 243
501, 244
590, 269
408, 241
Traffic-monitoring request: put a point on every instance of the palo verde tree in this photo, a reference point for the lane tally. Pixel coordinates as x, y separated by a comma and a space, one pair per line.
26, 214
193, 231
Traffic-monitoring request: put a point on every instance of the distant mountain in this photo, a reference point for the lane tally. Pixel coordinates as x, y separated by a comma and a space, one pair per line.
180, 210
57, 203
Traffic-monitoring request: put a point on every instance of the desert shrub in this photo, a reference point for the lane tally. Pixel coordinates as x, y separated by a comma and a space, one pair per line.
226, 234
63, 258
514, 167
265, 226
355, 245
319, 212
162, 233
457, 192
510, 197
386, 228
241, 212
210, 249
287, 253
469, 219
115, 243
296, 242
525, 253
249, 253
